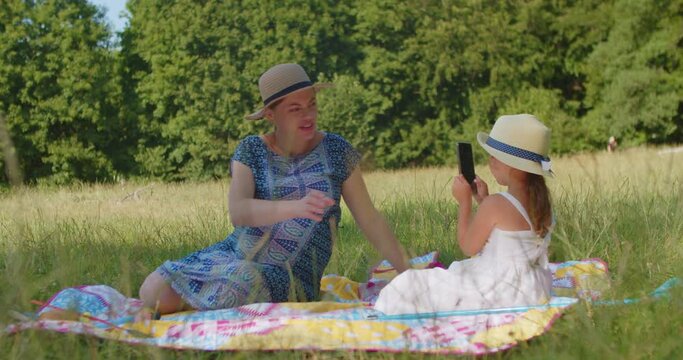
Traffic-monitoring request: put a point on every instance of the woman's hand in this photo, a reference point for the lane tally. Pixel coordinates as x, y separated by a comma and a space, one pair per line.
312, 206
245, 210
482, 190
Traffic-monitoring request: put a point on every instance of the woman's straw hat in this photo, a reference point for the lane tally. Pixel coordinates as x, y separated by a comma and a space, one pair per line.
280, 81
520, 141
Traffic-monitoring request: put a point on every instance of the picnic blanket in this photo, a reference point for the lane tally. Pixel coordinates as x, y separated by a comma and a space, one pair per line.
345, 320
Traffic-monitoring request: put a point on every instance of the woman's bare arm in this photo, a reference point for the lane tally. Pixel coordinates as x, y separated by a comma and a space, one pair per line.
245, 210
371, 222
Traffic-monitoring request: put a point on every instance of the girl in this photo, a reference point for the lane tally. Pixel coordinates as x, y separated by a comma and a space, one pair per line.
508, 236
284, 199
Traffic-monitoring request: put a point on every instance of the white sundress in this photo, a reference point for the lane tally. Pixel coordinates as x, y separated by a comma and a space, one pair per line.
510, 271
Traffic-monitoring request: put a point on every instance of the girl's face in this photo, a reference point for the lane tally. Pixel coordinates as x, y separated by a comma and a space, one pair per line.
296, 115
500, 171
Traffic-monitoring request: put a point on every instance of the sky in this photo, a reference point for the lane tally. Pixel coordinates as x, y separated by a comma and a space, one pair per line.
113, 9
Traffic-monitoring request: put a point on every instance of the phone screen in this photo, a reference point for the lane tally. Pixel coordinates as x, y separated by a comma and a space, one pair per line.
466, 161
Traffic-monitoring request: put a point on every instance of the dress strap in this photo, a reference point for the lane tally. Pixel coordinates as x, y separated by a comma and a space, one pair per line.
513, 200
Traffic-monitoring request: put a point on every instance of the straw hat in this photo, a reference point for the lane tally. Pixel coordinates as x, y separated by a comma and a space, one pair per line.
280, 81
520, 141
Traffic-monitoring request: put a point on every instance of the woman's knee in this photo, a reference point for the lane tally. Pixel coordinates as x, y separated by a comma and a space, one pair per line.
157, 293
153, 288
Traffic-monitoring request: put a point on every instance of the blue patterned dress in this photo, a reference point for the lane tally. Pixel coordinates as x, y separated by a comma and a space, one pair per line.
276, 263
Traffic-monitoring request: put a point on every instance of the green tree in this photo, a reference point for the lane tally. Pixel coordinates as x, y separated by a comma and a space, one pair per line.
635, 78
412, 77
351, 110
56, 89
202, 64
391, 70
447, 70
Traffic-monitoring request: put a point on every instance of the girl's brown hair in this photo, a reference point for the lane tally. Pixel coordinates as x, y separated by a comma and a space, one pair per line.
540, 209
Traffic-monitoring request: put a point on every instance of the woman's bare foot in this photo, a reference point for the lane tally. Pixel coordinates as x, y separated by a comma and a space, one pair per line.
146, 314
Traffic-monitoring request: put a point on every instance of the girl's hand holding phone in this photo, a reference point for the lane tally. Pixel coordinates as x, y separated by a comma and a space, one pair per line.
482, 190
461, 189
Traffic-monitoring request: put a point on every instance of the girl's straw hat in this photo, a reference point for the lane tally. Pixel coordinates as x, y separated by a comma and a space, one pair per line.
519, 141
280, 81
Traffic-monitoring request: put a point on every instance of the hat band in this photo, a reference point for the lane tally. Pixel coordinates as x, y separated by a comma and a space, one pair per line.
287, 90
515, 151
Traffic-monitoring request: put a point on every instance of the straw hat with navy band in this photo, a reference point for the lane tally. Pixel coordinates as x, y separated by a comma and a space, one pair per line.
280, 81
520, 141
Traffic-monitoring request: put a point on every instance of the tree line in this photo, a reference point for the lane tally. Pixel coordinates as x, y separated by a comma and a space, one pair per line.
165, 98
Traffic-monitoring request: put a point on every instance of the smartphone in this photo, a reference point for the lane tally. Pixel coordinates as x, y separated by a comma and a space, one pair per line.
466, 163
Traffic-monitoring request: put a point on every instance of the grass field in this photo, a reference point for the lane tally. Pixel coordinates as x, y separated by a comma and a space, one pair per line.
626, 208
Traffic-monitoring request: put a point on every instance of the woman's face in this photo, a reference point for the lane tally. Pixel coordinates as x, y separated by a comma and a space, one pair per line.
295, 115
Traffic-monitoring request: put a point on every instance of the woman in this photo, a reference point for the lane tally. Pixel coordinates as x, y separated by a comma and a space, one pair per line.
284, 201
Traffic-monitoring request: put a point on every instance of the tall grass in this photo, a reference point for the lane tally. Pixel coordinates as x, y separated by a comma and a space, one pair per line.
626, 208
